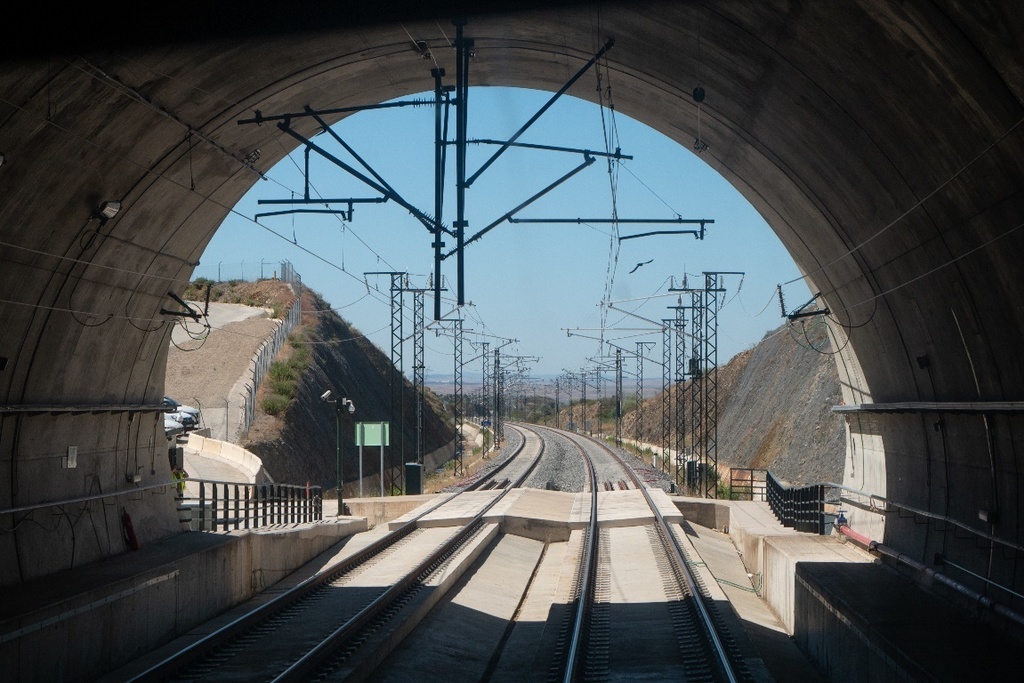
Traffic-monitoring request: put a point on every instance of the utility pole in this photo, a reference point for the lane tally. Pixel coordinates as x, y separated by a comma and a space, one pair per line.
419, 366
394, 477
458, 406
583, 400
713, 292
666, 392
640, 348
618, 397
557, 406
680, 398
499, 429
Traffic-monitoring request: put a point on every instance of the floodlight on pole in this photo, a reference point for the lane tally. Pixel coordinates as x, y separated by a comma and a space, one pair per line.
339, 405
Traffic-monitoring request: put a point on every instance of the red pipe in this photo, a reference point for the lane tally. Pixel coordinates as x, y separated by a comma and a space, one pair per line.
860, 538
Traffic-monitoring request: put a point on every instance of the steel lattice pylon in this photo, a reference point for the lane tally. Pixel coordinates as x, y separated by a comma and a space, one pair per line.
639, 392
418, 368
583, 400
485, 383
618, 397
666, 392
457, 407
395, 476
712, 294
697, 421
499, 425
680, 397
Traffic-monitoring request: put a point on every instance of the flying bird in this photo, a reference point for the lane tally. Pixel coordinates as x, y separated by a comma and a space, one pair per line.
637, 266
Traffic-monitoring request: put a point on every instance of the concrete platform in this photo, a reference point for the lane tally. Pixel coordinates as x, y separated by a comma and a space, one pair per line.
865, 622
546, 515
91, 619
853, 617
377, 510
770, 652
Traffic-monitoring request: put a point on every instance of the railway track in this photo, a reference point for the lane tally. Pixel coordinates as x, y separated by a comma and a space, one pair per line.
705, 650
314, 630
353, 620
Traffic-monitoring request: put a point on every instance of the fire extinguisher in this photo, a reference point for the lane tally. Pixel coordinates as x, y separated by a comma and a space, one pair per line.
129, 530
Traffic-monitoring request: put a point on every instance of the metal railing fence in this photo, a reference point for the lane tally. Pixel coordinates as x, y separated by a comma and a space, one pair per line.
221, 505
748, 483
799, 507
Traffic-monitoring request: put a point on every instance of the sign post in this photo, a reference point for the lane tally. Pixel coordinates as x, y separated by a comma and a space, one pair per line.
372, 434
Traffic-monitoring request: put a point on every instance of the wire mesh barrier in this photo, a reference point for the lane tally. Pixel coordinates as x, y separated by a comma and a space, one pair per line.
219, 505
748, 483
799, 507
264, 358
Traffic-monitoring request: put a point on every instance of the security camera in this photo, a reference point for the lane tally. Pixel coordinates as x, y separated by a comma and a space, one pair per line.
326, 396
351, 408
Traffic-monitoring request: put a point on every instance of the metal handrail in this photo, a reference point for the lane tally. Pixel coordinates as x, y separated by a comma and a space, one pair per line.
261, 504
86, 499
755, 487
874, 498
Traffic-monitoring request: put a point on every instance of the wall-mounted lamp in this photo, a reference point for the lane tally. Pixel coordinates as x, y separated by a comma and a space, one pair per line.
108, 210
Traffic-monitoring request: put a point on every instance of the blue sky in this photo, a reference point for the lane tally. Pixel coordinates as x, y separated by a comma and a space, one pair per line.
525, 282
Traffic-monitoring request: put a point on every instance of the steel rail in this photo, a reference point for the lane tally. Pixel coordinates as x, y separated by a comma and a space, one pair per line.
489, 476
302, 669
683, 570
217, 638
586, 592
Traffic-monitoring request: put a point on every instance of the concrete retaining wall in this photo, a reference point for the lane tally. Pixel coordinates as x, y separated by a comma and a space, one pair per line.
232, 454
104, 615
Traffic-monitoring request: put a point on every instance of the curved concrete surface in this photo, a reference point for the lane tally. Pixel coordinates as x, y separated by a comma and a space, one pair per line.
881, 141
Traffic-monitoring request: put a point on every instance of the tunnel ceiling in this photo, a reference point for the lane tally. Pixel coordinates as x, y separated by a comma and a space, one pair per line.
881, 141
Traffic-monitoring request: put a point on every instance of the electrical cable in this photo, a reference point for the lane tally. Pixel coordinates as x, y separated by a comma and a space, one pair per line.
915, 206
92, 264
931, 271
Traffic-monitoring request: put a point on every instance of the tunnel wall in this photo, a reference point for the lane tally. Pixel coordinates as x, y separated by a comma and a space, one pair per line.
882, 142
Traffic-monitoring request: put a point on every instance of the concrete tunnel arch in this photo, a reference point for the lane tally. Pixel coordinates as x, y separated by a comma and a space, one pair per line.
882, 144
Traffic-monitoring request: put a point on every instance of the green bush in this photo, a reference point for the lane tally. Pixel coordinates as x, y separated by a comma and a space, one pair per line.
274, 404
283, 387
282, 372
299, 359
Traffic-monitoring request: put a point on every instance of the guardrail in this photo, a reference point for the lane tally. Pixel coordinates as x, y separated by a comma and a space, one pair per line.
748, 483
222, 505
799, 507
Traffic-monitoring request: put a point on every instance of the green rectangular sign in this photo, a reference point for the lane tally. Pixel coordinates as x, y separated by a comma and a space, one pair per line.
373, 434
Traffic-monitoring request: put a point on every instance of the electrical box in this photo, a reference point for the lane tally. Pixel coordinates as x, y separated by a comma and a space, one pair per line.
413, 479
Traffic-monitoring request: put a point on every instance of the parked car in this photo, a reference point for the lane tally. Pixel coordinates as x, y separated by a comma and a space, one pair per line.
172, 426
187, 415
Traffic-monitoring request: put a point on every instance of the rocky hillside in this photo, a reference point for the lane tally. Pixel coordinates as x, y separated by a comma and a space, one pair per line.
294, 432
776, 408
297, 440
775, 404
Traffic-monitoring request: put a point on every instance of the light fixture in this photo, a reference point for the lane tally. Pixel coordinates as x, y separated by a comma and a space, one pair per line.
339, 404
3, 158
109, 209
